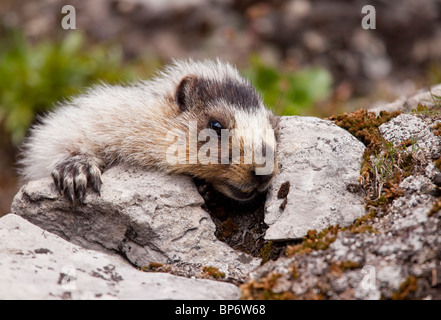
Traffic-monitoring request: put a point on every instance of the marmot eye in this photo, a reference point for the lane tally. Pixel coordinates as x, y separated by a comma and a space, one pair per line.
215, 125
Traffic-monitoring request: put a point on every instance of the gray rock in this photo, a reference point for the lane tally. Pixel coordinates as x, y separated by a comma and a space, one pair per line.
409, 127
411, 101
322, 163
392, 255
145, 216
367, 265
36, 264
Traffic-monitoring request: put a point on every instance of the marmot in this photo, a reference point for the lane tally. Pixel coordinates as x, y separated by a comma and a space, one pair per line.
132, 124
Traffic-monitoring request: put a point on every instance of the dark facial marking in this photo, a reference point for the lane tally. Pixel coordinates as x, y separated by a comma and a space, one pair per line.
242, 95
193, 91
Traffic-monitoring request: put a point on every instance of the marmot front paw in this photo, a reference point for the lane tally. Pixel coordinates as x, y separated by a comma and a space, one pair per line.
74, 174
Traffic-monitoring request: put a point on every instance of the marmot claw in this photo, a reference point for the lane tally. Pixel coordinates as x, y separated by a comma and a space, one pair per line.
73, 175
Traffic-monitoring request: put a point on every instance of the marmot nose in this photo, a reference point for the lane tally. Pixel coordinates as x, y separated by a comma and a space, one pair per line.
262, 178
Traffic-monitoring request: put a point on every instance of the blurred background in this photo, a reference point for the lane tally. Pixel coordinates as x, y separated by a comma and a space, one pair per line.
306, 57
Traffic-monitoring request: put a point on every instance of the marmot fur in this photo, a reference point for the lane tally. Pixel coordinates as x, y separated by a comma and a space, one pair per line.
132, 124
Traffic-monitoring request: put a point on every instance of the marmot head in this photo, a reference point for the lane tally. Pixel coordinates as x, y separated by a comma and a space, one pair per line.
227, 136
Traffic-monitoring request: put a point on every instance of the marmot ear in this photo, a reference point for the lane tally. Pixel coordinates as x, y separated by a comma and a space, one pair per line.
185, 91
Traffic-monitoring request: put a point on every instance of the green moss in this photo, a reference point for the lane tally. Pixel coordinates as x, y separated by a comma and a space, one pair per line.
320, 240
340, 266
424, 109
153, 266
361, 225
266, 251
409, 286
314, 240
435, 208
263, 289
213, 272
384, 165
438, 163
421, 108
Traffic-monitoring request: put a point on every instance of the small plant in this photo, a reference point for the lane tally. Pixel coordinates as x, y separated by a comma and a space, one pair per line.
213, 272
383, 165
392, 165
436, 100
289, 93
34, 77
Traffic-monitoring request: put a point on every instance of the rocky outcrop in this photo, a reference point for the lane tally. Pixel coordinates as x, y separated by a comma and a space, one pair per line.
345, 218
392, 252
317, 183
153, 219
36, 264
406, 103
148, 217
394, 256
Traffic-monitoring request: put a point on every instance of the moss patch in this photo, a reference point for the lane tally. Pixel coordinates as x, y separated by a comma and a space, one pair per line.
266, 251
339, 267
265, 289
364, 125
212, 272
408, 287
384, 165
314, 240
362, 224
435, 208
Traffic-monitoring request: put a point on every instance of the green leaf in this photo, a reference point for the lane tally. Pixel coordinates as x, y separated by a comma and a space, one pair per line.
34, 77
289, 93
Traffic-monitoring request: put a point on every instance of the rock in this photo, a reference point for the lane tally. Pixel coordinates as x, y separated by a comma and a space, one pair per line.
322, 163
148, 217
400, 259
437, 179
36, 264
408, 102
409, 127
393, 252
